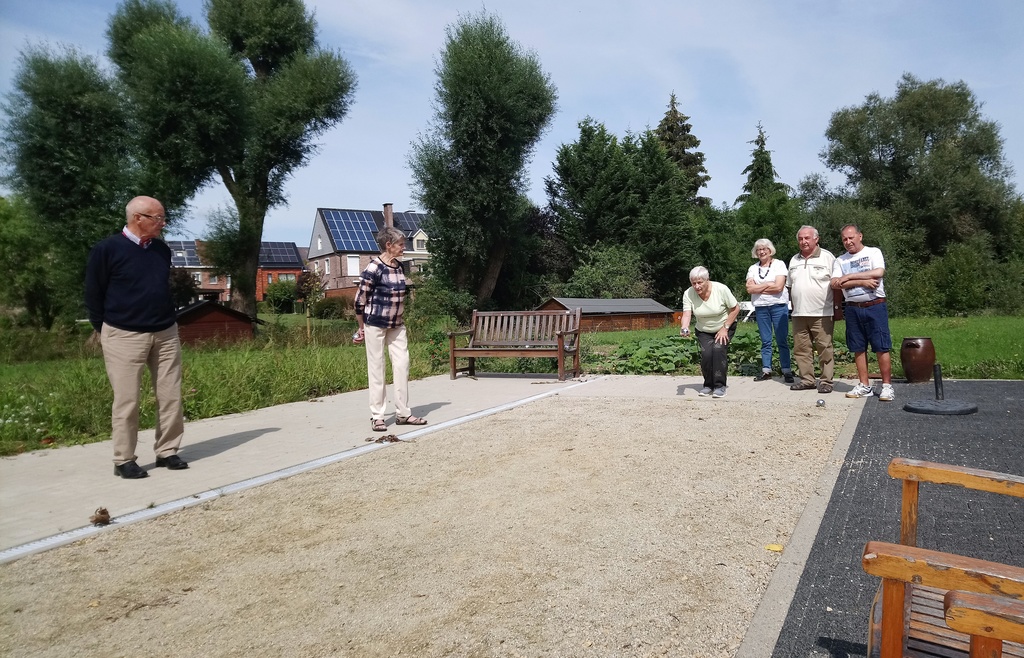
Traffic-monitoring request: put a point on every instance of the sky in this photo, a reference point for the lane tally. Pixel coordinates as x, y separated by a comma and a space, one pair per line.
788, 64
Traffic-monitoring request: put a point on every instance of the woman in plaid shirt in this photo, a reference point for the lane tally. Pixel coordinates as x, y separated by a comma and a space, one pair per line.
379, 304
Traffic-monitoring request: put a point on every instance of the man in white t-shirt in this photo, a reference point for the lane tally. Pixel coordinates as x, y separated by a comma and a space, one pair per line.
810, 272
858, 273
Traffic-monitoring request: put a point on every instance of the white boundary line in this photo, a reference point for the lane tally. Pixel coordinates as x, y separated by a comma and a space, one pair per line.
69, 536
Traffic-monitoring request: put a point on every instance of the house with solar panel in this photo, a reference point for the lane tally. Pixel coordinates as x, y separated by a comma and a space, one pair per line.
343, 242
279, 261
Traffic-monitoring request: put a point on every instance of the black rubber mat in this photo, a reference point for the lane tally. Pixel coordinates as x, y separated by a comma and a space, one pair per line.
829, 613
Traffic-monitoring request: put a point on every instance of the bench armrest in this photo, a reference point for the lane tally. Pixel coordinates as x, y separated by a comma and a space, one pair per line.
910, 564
569, 332
971, 478
995, 617
453, 334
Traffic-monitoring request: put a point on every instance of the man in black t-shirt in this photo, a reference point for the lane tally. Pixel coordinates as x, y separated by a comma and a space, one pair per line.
128, 297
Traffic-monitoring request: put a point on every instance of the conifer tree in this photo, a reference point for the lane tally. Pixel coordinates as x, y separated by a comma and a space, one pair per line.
674, 134
760, 172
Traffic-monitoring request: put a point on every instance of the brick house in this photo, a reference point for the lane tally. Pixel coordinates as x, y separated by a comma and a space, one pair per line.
279, 261
343, 242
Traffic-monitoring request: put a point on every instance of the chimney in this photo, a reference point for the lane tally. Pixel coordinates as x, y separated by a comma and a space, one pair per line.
389, 217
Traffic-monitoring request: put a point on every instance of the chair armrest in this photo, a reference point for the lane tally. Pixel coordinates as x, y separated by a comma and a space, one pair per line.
971, 478
995, 617
921, 566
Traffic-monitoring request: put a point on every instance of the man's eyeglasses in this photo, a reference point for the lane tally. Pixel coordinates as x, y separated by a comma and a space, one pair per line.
155, 218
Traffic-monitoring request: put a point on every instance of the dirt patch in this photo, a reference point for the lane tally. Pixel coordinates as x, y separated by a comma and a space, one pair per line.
565, 527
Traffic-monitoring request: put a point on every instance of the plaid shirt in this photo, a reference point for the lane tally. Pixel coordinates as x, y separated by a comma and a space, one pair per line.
381, 296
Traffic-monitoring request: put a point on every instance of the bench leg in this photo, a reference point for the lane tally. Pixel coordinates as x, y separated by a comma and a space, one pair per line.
561, 366
472, 366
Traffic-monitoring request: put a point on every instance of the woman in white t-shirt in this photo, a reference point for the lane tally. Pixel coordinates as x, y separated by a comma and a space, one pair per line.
766, 283
714, 309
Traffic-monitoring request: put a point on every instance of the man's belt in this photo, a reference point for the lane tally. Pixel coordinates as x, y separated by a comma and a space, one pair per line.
877, 300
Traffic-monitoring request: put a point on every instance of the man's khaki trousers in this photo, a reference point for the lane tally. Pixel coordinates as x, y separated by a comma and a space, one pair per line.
810, 335
126, 354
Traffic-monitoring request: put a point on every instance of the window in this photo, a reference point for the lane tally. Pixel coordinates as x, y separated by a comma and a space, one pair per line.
319, 243
316, 266
198, 277
214, 279
327, 266
179, 254
353, 265
284, 276
421, 245
229, 281
270, 279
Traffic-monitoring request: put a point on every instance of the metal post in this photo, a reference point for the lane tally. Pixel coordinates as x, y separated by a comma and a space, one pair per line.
939, 395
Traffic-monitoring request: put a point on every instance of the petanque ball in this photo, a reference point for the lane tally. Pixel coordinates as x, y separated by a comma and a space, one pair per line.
819, 403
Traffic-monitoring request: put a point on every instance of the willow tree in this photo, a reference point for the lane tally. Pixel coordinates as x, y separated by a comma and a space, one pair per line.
243, 103
493, 102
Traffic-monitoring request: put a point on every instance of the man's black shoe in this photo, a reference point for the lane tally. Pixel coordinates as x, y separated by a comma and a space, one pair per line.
172, 463
763, 377
130, 471
788, 377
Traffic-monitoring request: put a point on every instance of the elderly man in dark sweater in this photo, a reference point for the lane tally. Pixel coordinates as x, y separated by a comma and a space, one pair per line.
128, 296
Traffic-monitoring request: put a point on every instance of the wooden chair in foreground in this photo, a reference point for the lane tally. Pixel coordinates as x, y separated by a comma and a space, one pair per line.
934, 604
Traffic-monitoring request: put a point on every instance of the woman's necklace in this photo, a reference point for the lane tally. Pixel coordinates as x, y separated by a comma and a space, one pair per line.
764, 275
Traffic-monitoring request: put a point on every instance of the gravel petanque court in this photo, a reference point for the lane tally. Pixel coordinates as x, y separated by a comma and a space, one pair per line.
606, 525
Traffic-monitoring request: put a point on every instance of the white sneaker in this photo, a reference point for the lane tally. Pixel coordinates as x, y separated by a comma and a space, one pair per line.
719, 392
861, 391
887, 394
704, 392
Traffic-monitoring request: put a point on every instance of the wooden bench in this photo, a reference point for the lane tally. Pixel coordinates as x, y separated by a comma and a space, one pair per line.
519, 333
922, 589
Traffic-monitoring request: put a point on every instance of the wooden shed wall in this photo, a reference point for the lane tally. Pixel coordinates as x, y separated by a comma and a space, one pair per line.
214, 325
624, 321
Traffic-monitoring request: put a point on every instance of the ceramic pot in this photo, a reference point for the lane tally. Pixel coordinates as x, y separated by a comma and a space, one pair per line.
918, 358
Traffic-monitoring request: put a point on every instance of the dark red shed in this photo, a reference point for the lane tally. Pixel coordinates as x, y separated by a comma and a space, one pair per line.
206, 320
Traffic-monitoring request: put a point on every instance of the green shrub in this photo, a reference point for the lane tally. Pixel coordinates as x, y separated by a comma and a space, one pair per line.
331, 308
280, 296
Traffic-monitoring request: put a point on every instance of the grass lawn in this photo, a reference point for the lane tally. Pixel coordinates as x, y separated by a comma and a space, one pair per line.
62, 397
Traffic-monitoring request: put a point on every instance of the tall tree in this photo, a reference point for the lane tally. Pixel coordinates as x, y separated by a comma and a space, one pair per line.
761, 174
66, 143
627, 193
590, 191
493, 102
674, 133
31, 282
767, 210
929, 157
244, 103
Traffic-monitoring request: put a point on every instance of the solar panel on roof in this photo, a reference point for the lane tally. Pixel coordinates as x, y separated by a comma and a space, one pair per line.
280, 254
183, 253
352, 230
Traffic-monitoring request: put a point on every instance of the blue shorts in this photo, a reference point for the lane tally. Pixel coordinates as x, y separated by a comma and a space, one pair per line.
866, 325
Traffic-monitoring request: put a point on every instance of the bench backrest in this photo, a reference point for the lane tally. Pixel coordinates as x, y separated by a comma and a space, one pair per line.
523, 328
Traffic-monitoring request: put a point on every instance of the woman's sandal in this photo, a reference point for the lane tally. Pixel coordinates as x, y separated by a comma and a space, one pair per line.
378, 425
410, 420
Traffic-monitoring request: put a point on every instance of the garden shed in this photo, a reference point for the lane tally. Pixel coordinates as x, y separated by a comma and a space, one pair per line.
206, 320
613, 314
